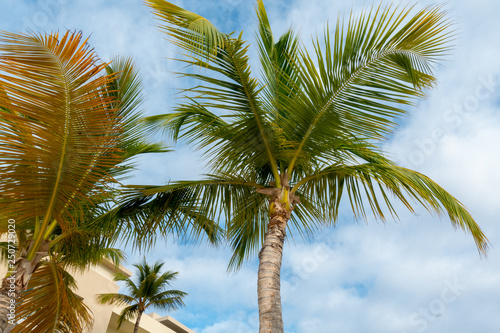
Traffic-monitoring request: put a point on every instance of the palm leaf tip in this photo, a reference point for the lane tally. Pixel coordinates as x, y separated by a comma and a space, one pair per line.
192, 32
437, 199
461, 218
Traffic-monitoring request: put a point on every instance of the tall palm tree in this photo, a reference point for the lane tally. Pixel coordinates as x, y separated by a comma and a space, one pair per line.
287, 147
148, 290
69, 127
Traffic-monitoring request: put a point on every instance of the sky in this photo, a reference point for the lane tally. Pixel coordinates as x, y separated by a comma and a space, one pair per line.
417, 274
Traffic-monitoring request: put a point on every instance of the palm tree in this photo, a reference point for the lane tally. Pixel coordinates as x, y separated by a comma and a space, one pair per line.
69, 127
287, 147
148, 290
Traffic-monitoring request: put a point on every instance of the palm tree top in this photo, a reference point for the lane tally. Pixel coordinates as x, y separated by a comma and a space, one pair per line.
148, 288
310, 124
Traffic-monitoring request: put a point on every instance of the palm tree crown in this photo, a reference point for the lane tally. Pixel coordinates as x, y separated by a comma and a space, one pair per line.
69, 126
310, 124
286, 148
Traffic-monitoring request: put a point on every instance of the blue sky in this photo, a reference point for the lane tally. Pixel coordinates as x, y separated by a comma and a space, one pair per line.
416, 275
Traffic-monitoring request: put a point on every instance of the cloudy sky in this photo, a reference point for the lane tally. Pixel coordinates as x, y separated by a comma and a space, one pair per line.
416, 275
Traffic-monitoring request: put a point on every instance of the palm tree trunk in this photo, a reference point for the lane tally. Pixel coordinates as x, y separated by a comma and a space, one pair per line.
12, 287
17, 282
136, 327
268, 285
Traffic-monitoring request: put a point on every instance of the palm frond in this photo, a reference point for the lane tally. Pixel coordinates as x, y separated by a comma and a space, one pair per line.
50, 303
279, 74
62, 134
374, 183
126, 90
199, 205
118, 299
170, 211
228, 200
79, 247
169, 300
191, 32
229, 86
128, 313
361, 77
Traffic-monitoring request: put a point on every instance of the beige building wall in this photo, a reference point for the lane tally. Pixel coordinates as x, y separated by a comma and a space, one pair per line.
98, 280
149, 323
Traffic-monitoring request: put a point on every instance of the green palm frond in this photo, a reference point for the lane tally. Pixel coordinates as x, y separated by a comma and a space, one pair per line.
245, 130
228, 86
203, 202
169, 211
191, 32
375, 183
360, 78
169, 300
126, 89
50, 303
315, 117
227, 199
246, 225
86, 241
128, 313
279, 75
131, 285
80, 247
118, 299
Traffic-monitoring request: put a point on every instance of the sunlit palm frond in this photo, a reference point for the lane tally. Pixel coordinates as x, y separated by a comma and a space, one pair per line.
50, 303
243, 129
376, 183
360, 78
127, 92
118, 299
228, 86
279, 74
62, 134
191, 32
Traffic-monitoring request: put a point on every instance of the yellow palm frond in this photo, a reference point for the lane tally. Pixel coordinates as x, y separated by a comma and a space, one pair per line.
58, 128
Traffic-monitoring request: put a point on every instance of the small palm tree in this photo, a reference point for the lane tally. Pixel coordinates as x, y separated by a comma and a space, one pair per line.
148, 289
